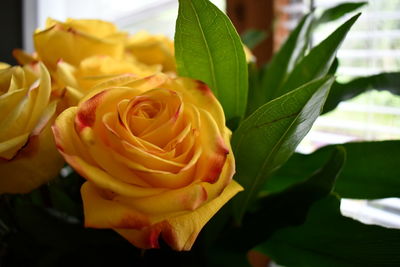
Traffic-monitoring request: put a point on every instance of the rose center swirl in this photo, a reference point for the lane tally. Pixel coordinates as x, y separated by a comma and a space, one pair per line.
155, 138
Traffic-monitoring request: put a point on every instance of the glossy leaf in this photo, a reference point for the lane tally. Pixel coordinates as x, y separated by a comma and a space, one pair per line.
339, 11
289, 207
335, 64
281, 64
269, 136
371, 170
329, 239
208, 48
255, 76
345, 91
318, 62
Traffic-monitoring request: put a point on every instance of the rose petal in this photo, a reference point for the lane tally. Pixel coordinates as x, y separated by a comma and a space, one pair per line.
101, 212
198, 93
34, 165
104, 180
67, 140
10, 147
180, 231
170, 201
63, 41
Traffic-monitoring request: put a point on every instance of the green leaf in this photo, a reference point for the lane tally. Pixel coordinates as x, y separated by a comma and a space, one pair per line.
251, 38
255, 76
371, 170
269, 136
281, 64
63, 203
289, 207
339, 11
318, 62
335, 64
329, 239
382, 82
221, 256
208, 48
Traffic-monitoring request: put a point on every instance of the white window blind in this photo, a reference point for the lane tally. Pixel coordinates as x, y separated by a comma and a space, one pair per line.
371, 47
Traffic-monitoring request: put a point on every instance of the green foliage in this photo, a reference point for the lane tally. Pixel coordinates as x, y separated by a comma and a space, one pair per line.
208, 48
371, 170
290, 67
288, 207
268, 137
339, 11
282, 63
329, 239
318, 62
344, 91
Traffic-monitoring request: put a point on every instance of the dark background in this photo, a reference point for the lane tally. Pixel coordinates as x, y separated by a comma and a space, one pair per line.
10, 29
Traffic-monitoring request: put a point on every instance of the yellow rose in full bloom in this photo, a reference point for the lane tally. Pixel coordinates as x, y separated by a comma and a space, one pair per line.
93, 70
28, 156
74, 40
156, 155
152, 49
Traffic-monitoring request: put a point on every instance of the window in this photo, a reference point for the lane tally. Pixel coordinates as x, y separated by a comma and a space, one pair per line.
155, 16
371, 47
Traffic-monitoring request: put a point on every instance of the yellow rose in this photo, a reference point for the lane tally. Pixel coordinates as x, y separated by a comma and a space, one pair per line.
156, 156
28, 157
96, 69
74, 40
153, 49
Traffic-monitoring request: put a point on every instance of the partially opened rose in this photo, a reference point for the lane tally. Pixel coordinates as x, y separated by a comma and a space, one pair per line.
152, 49
76, 39
93, 70
28, 156
156, 156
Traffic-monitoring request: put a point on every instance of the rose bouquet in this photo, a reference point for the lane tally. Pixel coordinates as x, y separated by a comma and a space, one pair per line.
182, 153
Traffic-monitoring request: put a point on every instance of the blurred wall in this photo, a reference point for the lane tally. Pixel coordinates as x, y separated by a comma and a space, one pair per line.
258, 15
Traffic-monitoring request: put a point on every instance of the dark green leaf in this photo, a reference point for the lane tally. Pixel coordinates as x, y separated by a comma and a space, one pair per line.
268, 137
281, 64
371, 170
288, 207
208, 48
63, 203
339, 11
335, 64
255, 76
318, 62
251, 38
382, 82
221, 256
64, 194
329, 239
